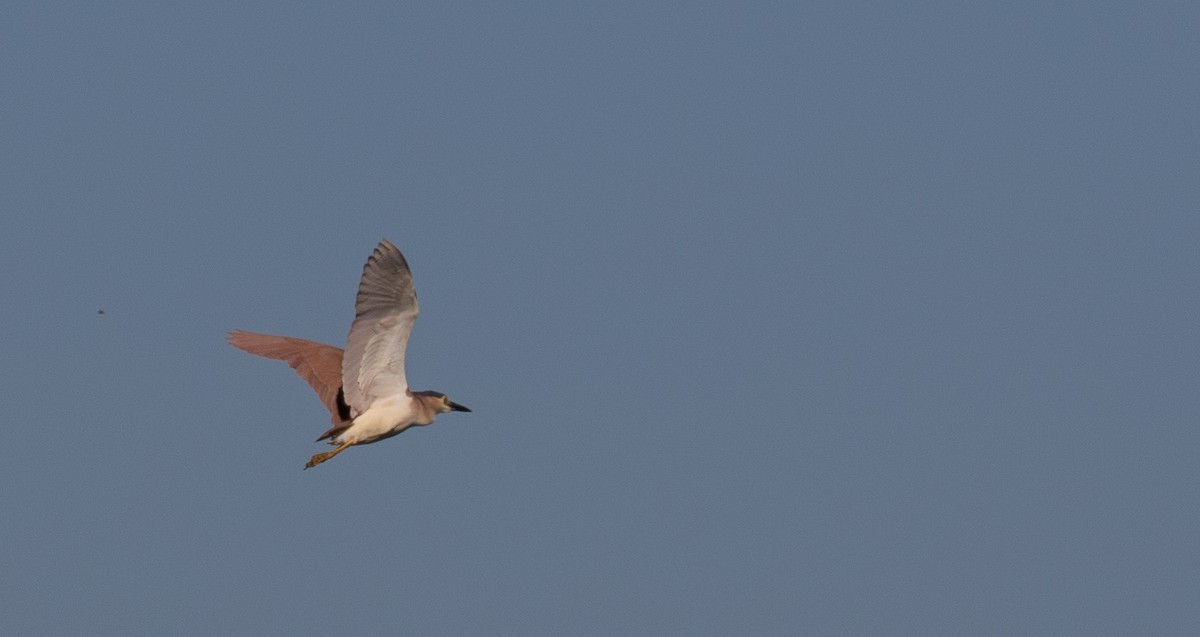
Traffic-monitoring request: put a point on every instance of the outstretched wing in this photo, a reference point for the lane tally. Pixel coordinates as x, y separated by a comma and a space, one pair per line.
385, 310
318, 364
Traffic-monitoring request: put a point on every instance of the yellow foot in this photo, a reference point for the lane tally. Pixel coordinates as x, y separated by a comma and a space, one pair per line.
322, 457
318, 459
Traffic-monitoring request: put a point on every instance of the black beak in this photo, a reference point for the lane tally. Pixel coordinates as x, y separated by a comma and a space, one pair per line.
457, 407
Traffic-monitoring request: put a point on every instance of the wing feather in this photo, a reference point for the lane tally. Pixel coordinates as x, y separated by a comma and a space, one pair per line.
318, 364
385, 310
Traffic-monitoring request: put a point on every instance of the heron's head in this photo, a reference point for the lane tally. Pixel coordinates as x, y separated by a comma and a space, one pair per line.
442, 402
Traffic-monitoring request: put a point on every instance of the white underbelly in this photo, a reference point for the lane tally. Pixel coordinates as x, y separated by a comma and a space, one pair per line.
386, 417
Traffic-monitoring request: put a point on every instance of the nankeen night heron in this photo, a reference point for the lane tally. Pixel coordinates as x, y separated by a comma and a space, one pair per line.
364, 387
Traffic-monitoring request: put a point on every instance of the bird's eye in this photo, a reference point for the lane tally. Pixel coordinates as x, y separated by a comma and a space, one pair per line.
446, 400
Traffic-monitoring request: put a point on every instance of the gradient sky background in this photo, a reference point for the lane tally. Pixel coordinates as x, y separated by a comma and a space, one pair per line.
776, 318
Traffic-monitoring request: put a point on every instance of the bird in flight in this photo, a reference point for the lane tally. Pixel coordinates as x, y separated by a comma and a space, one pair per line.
364, 388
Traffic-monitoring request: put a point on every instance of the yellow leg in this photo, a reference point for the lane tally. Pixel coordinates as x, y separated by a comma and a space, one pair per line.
322, 457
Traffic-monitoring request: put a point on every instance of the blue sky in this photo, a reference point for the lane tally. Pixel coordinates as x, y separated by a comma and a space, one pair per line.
775, 319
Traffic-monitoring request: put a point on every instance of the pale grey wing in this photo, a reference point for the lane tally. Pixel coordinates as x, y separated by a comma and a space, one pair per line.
385, 310
318, 364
